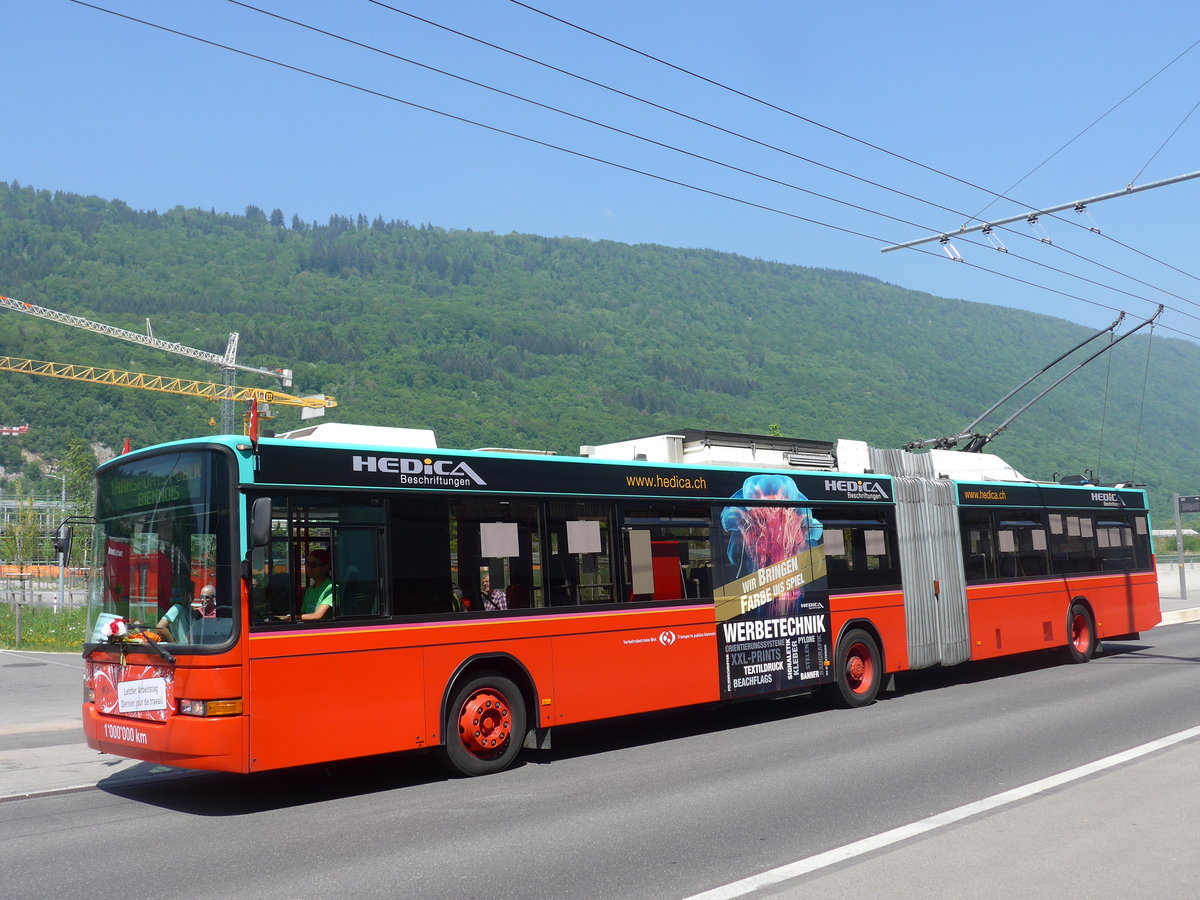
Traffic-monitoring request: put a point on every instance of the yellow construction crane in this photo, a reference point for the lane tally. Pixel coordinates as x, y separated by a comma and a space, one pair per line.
227, 363
314, 405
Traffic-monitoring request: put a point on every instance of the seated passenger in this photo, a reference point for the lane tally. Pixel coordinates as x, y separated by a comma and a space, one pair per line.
318, 596
491, 599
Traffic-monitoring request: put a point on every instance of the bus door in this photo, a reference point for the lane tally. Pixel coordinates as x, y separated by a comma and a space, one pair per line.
316, 686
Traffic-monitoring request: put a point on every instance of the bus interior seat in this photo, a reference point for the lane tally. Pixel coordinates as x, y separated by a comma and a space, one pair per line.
518, 596
836, 565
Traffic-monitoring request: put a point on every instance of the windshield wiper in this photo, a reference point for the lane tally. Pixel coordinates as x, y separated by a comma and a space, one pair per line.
154, 645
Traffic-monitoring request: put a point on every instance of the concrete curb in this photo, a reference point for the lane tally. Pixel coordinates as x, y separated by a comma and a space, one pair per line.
1178, 616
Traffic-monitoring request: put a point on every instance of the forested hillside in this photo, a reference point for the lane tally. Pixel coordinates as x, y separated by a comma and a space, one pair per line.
520, 340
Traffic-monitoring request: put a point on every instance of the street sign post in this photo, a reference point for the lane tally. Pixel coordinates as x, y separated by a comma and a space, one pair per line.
1188, 504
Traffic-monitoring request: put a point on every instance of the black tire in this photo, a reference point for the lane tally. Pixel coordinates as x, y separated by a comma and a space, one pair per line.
1081, 634
485, 725
859, 669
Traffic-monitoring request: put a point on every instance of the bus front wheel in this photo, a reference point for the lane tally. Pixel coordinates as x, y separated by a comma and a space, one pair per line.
486, 725
859, 669
1081, 634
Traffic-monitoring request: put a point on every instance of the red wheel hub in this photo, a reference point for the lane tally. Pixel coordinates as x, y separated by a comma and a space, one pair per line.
485, 723
1081, 635
859, 668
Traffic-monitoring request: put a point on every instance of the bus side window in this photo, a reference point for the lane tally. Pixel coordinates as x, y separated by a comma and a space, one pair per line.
1072, 543
356, 550
492, 547
580, 569
346, 530
666, 551
859, 547
978, 545
1023, 545
1115, 544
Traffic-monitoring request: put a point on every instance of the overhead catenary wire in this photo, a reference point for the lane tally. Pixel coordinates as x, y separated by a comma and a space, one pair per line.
1093, 124
994, 194
660, 144
468, 121
613, 128
792, 113
751, 97
659, 106
1166, 141
576, 153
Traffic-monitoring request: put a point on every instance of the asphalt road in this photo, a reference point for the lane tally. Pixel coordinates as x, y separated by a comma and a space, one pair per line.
671, 805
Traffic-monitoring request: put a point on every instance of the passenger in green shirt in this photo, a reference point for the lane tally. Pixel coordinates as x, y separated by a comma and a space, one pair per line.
318, 596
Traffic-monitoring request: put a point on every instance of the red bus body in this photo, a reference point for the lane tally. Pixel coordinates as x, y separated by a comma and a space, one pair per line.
275, 692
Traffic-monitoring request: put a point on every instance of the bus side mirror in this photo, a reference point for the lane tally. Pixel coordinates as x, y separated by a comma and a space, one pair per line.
61, 542
260, 522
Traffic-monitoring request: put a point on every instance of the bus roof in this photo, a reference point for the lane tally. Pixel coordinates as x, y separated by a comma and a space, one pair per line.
721, 448
345, 433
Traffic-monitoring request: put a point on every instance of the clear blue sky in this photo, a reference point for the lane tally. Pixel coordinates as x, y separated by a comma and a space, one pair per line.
981, 91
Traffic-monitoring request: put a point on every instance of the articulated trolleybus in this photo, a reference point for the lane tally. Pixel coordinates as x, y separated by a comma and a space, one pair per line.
374, 593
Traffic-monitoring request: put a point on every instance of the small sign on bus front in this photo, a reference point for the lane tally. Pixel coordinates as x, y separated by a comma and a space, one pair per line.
142, 695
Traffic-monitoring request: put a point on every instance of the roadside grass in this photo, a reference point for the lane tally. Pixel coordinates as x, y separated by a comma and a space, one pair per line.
42, 628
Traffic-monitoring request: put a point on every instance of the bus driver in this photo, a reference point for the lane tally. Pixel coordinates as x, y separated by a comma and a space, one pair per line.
318, 597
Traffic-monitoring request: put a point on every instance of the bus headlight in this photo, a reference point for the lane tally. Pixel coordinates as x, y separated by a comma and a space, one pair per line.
209, 708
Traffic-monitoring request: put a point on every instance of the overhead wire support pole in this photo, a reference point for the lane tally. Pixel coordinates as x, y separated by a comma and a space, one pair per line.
979, 441
946, 443
1027, 216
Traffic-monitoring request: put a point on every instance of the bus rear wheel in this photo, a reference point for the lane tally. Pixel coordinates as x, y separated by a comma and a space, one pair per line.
859, 669
486, 725
1081, 634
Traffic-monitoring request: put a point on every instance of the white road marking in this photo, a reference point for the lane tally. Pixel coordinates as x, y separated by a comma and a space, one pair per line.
904, 832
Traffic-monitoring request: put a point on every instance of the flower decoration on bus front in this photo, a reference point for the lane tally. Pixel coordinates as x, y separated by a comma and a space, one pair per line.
766, 536
114, 630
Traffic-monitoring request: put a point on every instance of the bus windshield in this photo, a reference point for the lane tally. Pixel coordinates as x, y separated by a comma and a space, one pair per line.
163, 551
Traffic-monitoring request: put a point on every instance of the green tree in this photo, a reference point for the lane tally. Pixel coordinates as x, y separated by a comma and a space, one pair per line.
79, 464
21, 538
